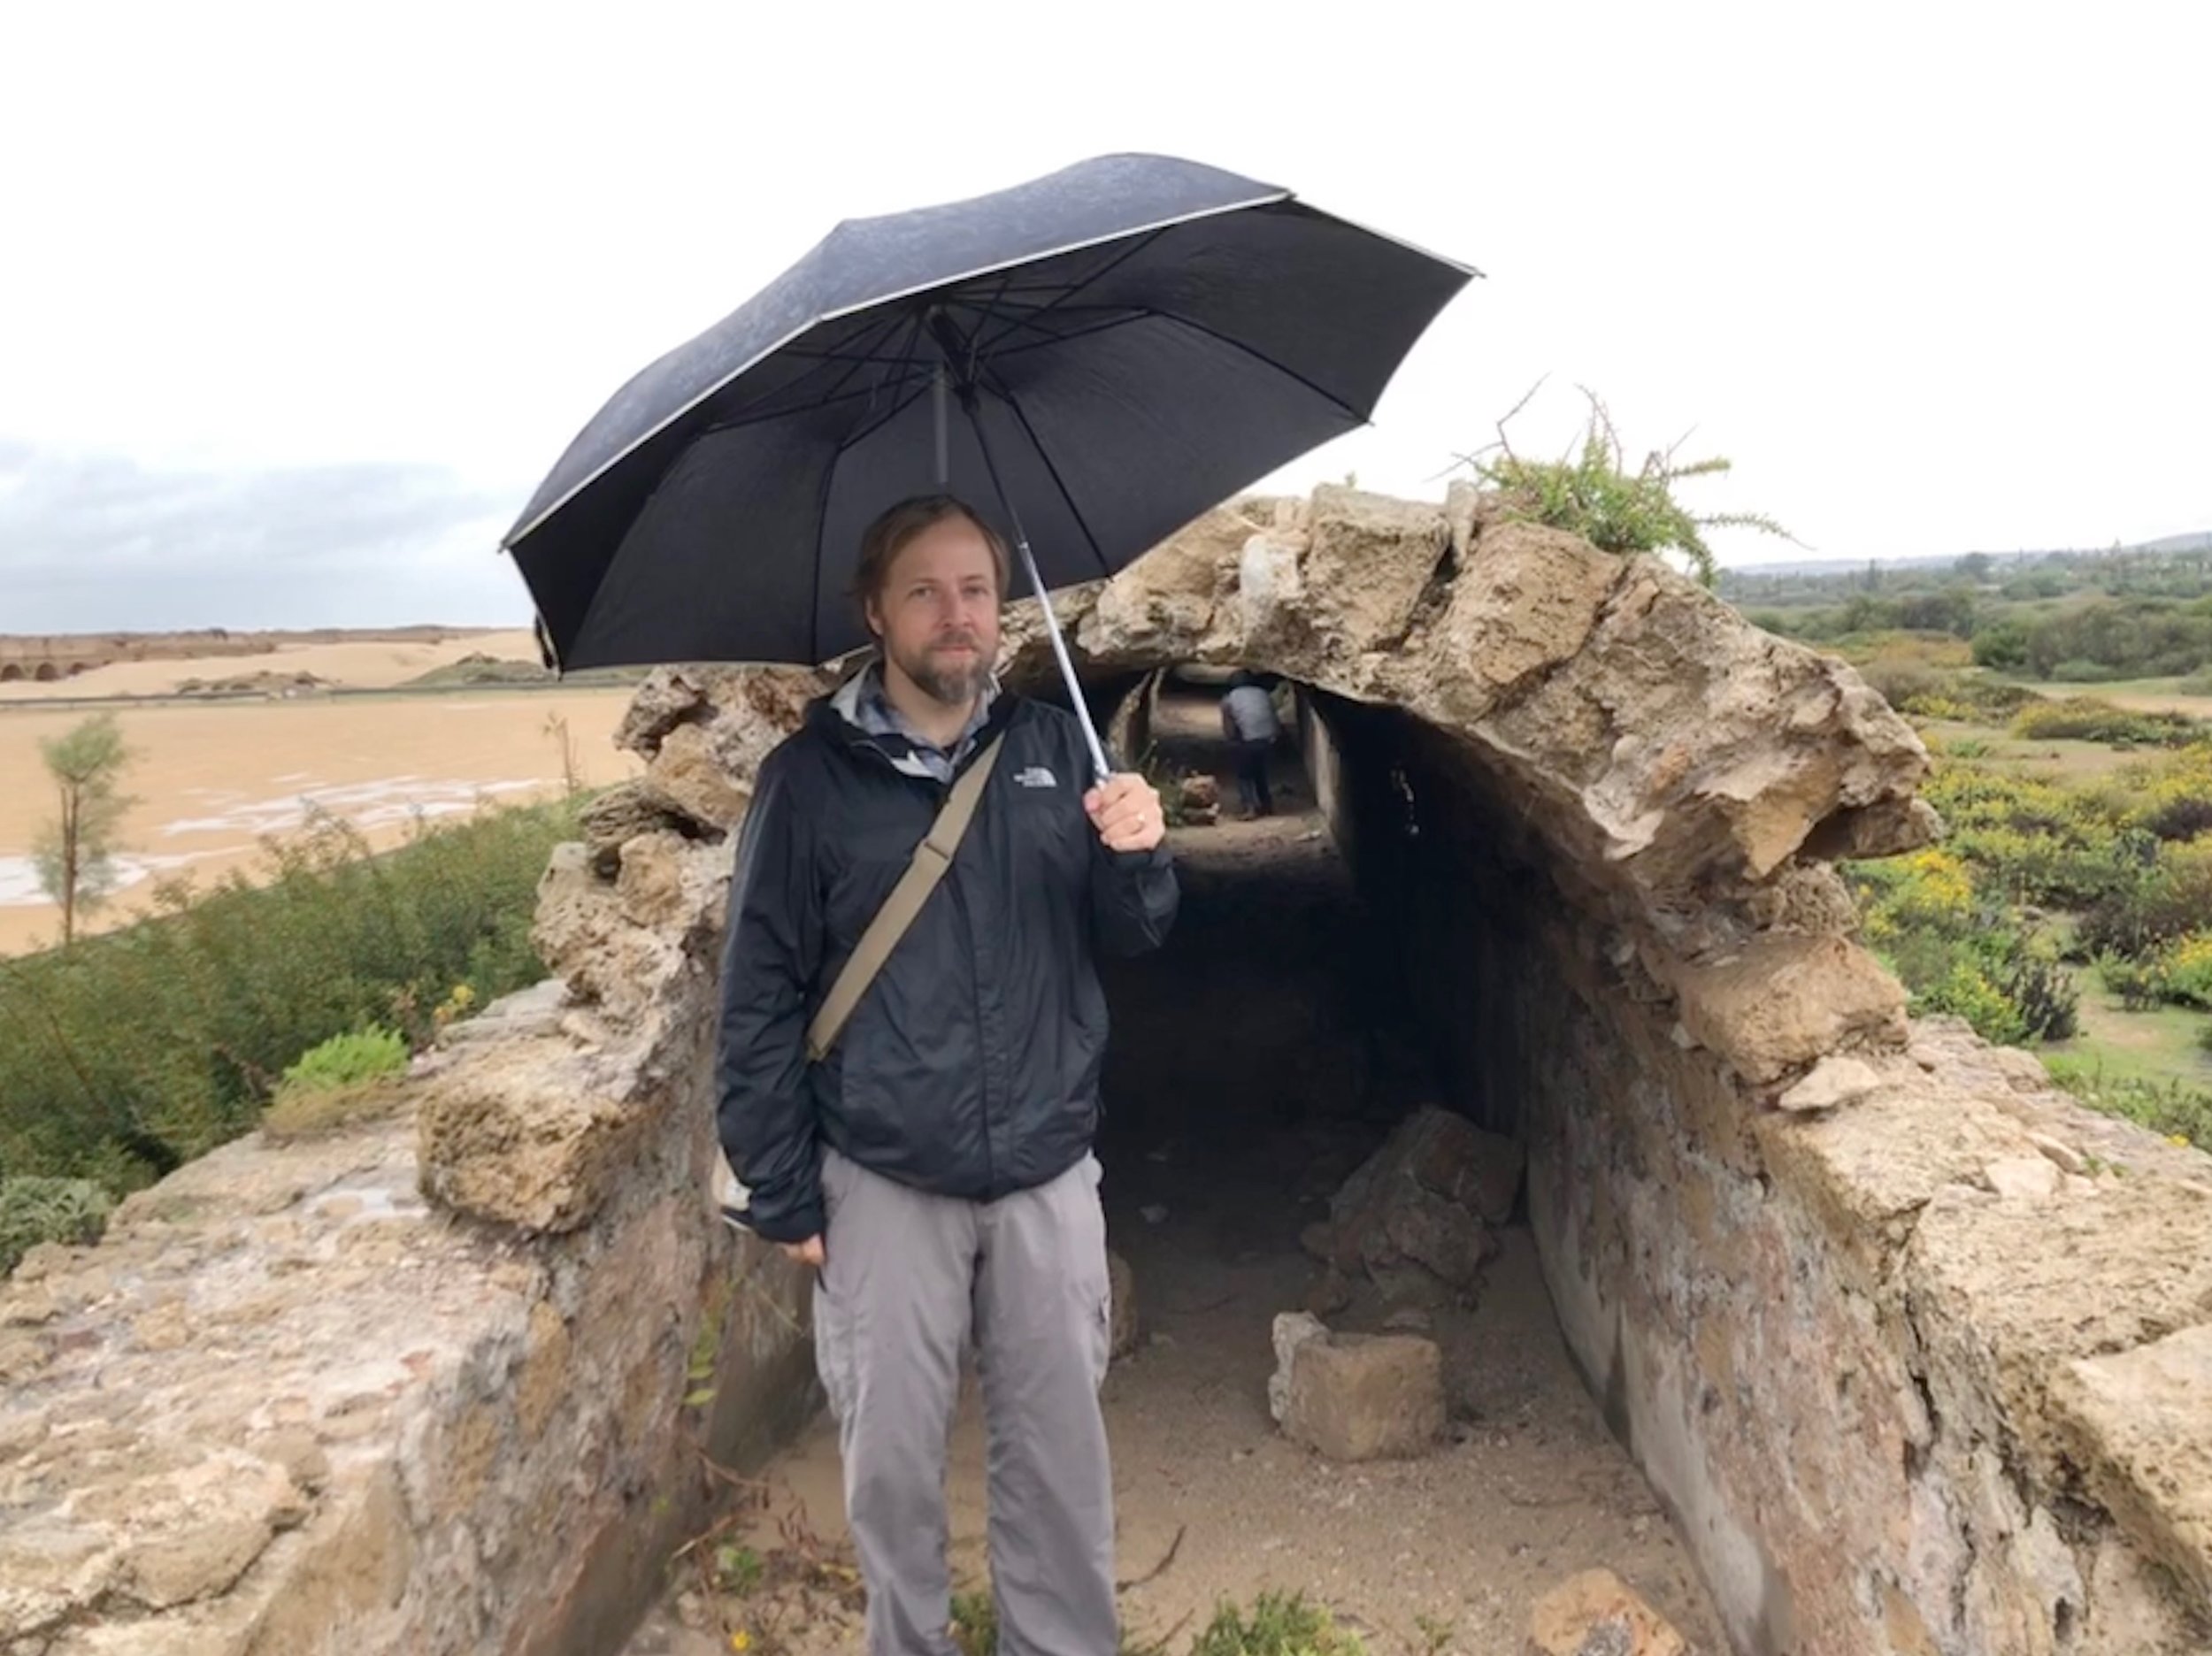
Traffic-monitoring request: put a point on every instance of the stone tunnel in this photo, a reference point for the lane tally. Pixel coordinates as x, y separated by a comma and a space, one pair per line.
1914, 1352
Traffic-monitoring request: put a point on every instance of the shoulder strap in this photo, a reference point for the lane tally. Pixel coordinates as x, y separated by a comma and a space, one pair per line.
931, 858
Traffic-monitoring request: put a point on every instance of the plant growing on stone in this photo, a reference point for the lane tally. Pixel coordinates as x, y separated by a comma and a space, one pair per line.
35, 1209
357, 1056
1590, 491
75, 854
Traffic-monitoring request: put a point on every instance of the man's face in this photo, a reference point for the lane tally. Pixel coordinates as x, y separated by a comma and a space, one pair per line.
937, 613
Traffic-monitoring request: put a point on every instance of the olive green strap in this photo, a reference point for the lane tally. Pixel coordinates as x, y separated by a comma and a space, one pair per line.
931, 858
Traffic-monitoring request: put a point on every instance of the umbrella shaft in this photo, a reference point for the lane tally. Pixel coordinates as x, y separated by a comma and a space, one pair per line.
1060, 650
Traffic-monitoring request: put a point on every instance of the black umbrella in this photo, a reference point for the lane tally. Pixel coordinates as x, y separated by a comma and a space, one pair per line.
1130, 340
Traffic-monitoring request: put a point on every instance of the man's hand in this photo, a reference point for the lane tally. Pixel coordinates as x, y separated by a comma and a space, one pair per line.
807, 1252
1125, 810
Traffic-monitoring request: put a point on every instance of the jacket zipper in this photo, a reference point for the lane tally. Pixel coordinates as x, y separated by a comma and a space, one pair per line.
982, 1036
942, 791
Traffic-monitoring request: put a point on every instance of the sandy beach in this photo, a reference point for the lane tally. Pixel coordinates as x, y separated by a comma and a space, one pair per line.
211, 778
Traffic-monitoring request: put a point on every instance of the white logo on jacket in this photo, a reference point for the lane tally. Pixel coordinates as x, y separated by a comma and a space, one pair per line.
1036, 776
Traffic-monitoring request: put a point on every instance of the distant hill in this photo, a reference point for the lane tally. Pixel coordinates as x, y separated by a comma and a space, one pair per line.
2201, 542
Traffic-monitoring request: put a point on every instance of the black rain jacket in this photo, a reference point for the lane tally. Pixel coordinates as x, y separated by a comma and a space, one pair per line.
970, 1068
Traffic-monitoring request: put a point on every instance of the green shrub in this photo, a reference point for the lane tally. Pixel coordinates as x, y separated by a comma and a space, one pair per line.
149, 1046
2135, 982
357, 1056
35, 1209
2172, 1109
975, 1624
2043, 995
2083, 673
2084, 719
1276, 1626
2169, 898
1590, 493
2003, 645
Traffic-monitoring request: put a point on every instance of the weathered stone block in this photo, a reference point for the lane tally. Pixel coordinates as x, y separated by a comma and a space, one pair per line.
1125, 1328
688, 776
1365, 1397
522, 1134
2139, 1423
1833, 1081
1784, 1001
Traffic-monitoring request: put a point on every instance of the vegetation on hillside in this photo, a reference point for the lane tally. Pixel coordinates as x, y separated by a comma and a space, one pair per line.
138, 1050
2056, 617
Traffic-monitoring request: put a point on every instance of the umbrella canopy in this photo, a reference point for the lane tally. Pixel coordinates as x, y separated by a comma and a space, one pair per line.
1121, 345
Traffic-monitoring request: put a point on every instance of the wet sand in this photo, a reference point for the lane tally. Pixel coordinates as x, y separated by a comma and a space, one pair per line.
211, 778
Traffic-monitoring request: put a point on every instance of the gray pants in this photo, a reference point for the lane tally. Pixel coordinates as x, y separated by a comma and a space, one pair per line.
909, 1278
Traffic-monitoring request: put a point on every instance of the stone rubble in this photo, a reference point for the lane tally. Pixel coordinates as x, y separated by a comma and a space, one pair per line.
1416, 1217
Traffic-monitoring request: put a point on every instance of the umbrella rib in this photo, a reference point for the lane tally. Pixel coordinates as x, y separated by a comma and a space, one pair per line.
883, 330
1321, 391
1058, 482
1098, 275
770, 409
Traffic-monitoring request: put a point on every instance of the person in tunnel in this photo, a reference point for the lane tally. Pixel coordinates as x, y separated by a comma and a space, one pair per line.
933, 1161
1251, 728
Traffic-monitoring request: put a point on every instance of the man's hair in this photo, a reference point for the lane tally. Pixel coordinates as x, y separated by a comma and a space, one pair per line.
890, 535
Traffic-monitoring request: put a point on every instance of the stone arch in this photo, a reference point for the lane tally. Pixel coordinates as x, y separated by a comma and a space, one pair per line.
10, 671
1743, 1159
44, 673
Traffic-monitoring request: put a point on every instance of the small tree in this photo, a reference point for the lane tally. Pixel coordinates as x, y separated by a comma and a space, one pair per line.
75, 855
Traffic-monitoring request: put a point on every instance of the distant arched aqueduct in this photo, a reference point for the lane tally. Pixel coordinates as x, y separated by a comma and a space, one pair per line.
65, 656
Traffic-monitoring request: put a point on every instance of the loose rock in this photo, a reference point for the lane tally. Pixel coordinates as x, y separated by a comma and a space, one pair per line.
1126, 1329
1833, 1081
2023, 1178
1293, 1328
1597, 1614
1362, 1397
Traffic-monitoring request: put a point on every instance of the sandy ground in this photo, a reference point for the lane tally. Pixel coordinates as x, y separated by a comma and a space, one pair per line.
369, 664
211, 778
1252, 1072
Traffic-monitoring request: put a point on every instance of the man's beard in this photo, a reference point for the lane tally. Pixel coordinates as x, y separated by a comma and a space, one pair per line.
953, 685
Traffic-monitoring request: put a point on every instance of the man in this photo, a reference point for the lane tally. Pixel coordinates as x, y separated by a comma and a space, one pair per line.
1248, 721
935, 1166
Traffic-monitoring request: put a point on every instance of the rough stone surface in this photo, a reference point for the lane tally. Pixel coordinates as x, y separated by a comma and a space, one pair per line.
1833, 1081
1293, 1328
525, 1134
1597, 1614
2141, 1422
1127, 1331
2023, 1178
1786, 1001
1365, 1397
687, 777
1422, 1200
1672, 753
1833, 1350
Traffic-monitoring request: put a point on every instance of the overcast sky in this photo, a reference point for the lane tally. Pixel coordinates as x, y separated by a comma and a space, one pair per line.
300, 301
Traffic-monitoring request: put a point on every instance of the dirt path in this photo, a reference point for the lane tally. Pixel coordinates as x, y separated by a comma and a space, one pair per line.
1255, 1066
